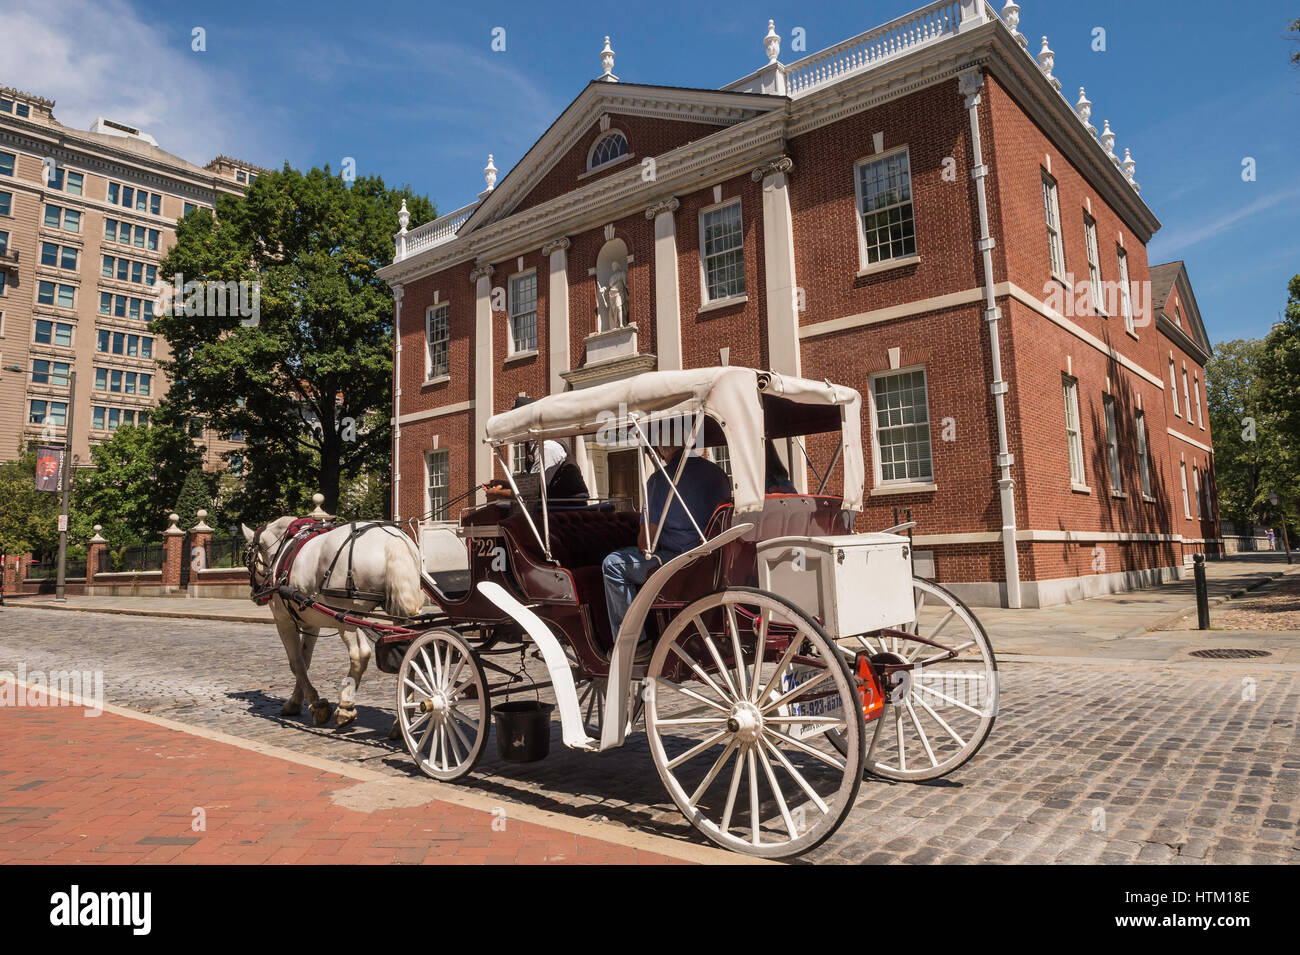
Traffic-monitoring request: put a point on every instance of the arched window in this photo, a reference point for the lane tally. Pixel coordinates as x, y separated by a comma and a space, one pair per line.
611, 146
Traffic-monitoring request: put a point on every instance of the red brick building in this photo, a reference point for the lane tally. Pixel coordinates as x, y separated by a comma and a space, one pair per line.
917, 212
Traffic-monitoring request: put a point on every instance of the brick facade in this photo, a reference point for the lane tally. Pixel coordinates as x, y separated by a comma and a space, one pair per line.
854, 321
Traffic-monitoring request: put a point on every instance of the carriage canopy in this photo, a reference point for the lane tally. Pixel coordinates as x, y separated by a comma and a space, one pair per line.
746, 406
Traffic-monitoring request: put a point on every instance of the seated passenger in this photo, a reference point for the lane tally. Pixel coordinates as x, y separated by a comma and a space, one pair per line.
703, 486
564, 481
778, 478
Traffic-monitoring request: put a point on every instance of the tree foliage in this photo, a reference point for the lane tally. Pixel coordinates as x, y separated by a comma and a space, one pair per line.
28, 517
136, 480
321, 350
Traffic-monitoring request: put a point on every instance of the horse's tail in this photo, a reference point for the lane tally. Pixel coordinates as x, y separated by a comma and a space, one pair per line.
402, 576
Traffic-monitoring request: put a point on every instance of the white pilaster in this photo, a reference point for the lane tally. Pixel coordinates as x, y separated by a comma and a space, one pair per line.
558, 312
398, 292
668, 312
778, 263
482, 276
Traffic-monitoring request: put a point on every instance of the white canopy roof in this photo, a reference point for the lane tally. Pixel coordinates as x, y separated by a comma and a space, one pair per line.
733, 397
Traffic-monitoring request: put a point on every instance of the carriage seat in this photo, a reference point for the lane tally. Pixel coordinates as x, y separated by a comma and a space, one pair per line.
580, 536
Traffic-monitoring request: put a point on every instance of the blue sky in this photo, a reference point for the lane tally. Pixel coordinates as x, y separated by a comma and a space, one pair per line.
413, 91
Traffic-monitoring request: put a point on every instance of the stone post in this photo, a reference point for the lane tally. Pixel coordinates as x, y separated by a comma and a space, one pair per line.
11, 576
94, 547
318, 512
173, 545
200, 542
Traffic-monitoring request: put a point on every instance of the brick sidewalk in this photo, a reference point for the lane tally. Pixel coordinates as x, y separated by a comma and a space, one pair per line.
112, 789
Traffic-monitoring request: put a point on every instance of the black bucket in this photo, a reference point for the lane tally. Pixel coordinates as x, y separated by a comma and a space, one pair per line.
523, 730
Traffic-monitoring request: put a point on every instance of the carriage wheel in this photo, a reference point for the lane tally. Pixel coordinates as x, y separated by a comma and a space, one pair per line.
938, 716
740, 737
591, 703
443, 705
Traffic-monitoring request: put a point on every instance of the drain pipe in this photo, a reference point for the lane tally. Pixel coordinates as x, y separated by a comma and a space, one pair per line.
969, 85
397, 400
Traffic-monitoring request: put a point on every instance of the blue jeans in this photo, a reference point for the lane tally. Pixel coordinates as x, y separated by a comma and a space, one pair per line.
625, 570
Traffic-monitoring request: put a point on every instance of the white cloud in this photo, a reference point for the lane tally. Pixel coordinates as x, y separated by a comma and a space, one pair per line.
99, 58
1164, 245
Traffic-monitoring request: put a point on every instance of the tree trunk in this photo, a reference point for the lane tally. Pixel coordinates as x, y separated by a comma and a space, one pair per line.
330, 454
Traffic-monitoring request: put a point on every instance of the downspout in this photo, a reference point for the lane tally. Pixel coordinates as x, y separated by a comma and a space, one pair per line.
969, 85
397, 400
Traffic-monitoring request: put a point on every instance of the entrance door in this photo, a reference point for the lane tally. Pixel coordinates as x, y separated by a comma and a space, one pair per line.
622, 476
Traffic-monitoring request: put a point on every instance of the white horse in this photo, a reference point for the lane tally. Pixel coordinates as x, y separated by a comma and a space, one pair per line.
384, 566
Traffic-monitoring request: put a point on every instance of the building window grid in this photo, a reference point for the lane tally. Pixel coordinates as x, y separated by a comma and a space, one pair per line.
885, 208
1073, 435
613, 145
722, 239
1112, 446
1052, 214
1196, 394
523, 312
1125, 293
1094, 266
1144, 459
438, 341
437, 473
901, 413
1196, 488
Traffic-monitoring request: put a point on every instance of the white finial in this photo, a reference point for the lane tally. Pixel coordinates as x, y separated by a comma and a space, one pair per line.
403, 217
1083, 109
1108, 139
1046, 61
772, 42
607, 64
1011, 17
1129, 167
490, 174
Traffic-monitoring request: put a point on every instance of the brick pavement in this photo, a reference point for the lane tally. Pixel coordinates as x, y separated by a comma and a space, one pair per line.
116, 790
1182, 767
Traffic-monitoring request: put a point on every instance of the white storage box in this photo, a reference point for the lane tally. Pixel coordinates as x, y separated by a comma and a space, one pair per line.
854, 583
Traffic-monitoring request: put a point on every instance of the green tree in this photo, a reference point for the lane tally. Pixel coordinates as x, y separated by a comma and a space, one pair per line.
195, 495
137, 477
319, 357
28, 517
1250, 451
1279, 367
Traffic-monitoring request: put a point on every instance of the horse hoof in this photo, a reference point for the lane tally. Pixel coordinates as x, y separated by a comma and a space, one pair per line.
320, 714
344, 717
396, 731
291, 709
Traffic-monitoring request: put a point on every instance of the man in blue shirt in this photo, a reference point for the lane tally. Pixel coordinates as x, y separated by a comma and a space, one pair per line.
703, 486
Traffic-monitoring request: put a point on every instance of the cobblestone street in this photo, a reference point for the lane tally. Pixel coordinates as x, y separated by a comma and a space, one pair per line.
1092, 761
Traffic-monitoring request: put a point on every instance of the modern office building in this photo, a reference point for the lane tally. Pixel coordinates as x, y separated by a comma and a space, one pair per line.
85, 219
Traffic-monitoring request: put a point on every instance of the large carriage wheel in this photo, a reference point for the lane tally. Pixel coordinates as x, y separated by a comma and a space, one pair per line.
937, 715
740, 737
443, 704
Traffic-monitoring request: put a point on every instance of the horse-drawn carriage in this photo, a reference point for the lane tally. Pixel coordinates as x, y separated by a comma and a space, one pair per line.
790, 655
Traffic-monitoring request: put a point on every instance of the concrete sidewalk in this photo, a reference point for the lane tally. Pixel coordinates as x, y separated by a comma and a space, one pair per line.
236, 610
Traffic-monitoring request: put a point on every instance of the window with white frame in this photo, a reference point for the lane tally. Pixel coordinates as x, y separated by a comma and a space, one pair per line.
1196, 395
437, 471
884, 192
1125, 293
1094, 266
523, 312
1073, 437
1052, 214
1187, 396
611, 146
1196, 488
1112, 446
1187, 505
722, 240
1144, 459
1173, 386
901, 427
437, 338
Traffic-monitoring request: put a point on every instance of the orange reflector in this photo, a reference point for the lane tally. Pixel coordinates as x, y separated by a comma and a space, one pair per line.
873, 701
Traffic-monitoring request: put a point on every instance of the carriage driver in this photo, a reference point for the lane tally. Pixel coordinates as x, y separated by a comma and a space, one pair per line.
703, 486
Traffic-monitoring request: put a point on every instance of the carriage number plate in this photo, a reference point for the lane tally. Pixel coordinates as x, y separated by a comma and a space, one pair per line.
823, 706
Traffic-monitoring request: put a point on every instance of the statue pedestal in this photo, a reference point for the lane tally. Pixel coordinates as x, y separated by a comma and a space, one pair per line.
611, 344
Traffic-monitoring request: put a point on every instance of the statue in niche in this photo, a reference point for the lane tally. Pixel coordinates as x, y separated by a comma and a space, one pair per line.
615, 298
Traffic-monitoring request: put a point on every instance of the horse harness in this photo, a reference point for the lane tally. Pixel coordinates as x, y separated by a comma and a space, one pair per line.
296, 535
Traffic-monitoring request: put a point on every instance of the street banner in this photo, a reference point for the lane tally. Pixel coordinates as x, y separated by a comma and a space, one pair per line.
49, 468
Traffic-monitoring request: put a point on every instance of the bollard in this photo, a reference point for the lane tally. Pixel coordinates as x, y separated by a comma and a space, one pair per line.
1202, 595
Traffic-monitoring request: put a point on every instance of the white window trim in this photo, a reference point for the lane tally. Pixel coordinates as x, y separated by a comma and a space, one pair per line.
428, 343
1115, 477
511, 350
1196, 393
1097, 288
897, 485
610, 162
1070, 384
865, 267
1187, 396
1173, 387
705, 301
1143, 448
1125, 293
1054, 195
428, 484
1196, 486
1187, 505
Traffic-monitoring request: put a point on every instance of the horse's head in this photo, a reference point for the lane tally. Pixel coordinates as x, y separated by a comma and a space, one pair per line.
260, 551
